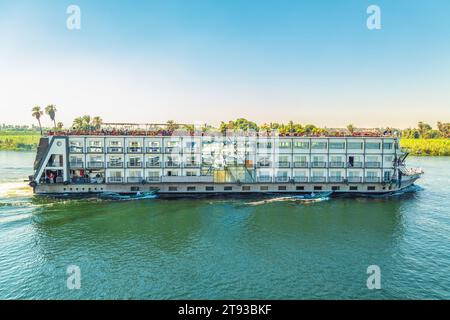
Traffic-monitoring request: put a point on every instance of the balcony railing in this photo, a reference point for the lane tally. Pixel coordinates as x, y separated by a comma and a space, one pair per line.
76, 164
172, 164
153, 150
263, 164
116, 164
264, 179
153, 164
115, 179
300, 164
192, 165
95, 164
354, 179
75, 149
372, 164
282, 179
283, 164
335, 179
153, 179
372, 179
318, 179
115, 150
354, 165
134, 165
135, 179
95, 149
173, 149
336, 164
318, 164
301, 179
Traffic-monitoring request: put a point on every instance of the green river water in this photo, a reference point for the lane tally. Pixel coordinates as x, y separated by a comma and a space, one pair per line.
225, 248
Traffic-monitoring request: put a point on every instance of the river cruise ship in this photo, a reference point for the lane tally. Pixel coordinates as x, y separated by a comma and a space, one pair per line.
126, 160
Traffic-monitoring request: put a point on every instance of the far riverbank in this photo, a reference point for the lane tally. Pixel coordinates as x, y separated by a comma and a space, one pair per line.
416, 147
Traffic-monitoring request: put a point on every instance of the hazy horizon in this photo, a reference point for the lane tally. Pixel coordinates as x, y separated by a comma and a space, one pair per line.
205, 61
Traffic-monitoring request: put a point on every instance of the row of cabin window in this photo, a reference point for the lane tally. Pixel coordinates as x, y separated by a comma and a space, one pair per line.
282, 145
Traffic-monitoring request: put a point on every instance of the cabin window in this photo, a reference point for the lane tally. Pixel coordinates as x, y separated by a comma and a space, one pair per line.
173, 188
191, 173
335, 188
301, 145
228, 188
284, 145
371, 188
301, 159
355, 145
337, 145
245, 188
190, 188
135, 189
299, 188
318, 145
134, 144
281, 188
95, 143
353, 188
209, 188
264, 188
264, 145
172, 144
317, 188
387, 145
373, 145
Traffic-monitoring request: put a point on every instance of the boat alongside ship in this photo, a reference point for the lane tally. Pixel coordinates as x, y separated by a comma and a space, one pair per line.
134, 161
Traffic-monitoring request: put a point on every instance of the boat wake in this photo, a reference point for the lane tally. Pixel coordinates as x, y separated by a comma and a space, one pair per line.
301, 199
15, 190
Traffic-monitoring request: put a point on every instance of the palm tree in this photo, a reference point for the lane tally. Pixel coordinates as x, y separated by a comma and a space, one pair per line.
205, 128
223, 127
78, 123
86, 122
171, 126
265, 128
290, 126
423, 128
50, 110
351, 128
37, 113
190, 128
97, 122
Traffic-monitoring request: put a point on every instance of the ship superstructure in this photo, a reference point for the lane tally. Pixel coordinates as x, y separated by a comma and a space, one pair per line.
197, 162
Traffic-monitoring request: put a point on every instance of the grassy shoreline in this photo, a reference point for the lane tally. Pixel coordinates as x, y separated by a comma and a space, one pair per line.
417, 147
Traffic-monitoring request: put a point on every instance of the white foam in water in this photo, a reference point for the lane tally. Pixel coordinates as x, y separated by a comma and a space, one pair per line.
15, 190
291, 199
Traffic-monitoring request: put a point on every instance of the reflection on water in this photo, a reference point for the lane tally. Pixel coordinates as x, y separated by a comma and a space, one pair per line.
227, 248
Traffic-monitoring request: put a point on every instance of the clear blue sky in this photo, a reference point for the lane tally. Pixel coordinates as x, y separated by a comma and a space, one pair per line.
211, 60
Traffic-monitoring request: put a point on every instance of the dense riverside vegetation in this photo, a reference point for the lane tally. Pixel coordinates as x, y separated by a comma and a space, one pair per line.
426, 147
19, 139
423, 140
